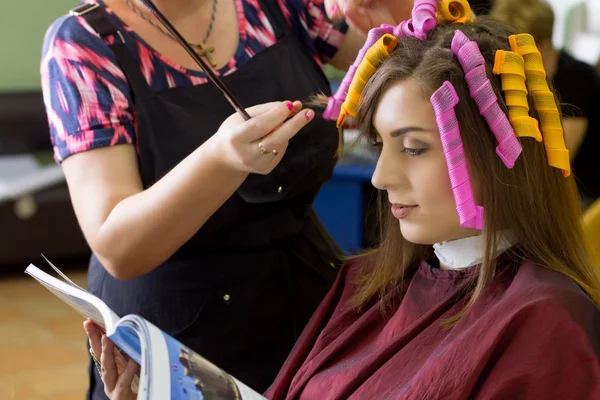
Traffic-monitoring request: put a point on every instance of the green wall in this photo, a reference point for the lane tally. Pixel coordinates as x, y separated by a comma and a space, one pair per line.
23, 24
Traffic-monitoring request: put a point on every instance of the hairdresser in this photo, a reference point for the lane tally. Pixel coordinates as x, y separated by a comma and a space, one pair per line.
198, 220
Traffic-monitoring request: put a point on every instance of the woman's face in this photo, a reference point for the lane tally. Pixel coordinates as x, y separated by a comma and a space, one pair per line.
412, 167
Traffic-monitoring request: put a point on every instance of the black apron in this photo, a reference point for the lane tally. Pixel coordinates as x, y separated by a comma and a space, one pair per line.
240, 291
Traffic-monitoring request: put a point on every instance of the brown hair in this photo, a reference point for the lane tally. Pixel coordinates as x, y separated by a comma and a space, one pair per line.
532, 199
527, 16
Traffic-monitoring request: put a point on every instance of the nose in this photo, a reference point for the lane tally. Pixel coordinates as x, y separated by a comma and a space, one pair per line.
389, 173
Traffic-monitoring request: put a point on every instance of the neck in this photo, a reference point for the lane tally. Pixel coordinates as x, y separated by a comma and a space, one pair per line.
175, 10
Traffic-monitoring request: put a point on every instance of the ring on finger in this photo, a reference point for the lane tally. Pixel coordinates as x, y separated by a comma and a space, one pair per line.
265, 151
96, 362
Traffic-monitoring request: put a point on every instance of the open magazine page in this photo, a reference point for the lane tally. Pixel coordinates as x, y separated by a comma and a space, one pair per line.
170, 370
131, 338
88, 305
176, 372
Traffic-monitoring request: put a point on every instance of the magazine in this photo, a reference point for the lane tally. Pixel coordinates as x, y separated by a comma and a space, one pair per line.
169, 369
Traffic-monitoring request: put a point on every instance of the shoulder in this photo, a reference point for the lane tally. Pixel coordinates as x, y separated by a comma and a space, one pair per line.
540, 298
291, 9
571, 64
307, 14
310, 14
70, 30
543, 281
296, 5
544, 336
70, 40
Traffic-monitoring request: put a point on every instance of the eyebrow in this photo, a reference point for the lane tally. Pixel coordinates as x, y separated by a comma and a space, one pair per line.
402, 131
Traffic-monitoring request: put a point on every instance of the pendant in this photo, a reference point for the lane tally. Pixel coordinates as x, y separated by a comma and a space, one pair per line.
206, 52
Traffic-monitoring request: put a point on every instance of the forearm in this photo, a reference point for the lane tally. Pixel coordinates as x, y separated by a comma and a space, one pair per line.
145, 229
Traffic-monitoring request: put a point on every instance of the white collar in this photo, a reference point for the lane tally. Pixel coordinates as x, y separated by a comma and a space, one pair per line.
467, 252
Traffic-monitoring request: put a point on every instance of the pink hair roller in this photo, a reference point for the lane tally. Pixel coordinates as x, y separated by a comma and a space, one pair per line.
444, 100
424, 17
472, 61
423, 20
334, 106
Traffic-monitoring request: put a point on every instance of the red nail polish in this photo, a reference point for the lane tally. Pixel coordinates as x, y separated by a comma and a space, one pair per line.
309, 115
290, 106
333, 10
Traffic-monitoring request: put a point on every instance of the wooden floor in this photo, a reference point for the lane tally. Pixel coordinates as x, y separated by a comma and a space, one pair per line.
42, 343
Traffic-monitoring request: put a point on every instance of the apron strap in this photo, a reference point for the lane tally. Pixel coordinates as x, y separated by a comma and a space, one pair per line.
275, 17
98, 19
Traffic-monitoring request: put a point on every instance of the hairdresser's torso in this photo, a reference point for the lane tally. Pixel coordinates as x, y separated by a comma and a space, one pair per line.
241, 289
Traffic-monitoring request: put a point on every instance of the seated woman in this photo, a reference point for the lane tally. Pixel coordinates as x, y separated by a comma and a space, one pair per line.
481, 286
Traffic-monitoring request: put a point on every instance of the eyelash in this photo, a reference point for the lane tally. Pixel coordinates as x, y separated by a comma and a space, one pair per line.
411, 152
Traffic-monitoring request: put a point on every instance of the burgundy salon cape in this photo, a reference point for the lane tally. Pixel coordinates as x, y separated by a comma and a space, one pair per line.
533, 334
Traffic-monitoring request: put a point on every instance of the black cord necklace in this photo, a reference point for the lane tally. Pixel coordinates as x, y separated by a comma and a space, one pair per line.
201, 49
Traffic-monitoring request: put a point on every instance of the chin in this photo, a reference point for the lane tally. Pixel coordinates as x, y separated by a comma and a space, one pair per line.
429, 234
417, 234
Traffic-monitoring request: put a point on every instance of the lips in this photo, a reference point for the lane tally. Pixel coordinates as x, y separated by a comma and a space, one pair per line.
402, 211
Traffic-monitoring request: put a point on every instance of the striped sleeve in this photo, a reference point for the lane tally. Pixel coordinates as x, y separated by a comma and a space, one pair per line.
327, 35
87, 98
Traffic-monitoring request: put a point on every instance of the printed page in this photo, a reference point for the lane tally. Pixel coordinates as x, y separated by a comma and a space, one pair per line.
154, 379
190, 376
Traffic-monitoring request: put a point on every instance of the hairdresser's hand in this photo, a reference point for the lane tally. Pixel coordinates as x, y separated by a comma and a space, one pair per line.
366, 14
117, 373
257, 145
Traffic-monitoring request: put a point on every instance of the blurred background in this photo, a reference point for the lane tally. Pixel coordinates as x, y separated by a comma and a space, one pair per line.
41, 339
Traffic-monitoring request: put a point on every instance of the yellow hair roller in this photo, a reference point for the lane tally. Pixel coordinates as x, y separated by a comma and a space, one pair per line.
367, 68
447, 11
454, 11
511, 68
545, 103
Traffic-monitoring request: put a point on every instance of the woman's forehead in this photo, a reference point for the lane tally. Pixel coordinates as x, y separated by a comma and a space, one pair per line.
403, 104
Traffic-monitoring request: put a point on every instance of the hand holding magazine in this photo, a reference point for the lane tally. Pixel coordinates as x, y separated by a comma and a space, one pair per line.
169, 369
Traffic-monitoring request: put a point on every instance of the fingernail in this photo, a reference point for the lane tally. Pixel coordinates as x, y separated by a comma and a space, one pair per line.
290, 106
333, 10
309, 115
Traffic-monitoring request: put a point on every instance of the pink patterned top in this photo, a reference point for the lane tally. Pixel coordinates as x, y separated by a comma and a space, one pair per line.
88, 99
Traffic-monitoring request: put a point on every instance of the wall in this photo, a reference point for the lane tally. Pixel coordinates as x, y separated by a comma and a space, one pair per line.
23, 24
563, 30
